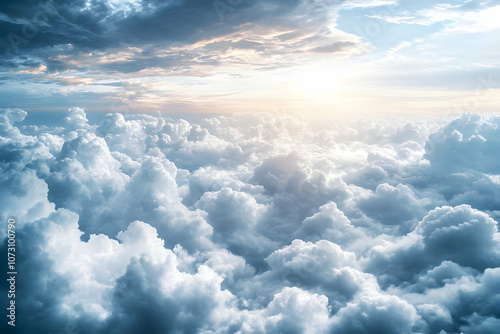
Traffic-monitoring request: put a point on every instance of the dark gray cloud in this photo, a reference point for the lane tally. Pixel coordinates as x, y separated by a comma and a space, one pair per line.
34, 32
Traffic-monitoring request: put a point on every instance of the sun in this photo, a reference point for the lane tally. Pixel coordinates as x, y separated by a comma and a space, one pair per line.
319, 82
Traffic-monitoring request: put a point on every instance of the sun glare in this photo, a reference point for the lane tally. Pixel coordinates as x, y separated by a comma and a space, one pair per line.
321, 84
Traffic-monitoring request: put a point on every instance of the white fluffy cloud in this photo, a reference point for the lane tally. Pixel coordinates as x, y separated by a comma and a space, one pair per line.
253, 224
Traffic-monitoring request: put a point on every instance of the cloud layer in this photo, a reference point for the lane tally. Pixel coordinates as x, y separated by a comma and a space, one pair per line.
263, 223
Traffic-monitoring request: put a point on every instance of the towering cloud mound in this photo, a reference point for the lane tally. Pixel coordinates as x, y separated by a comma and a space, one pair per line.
252, 224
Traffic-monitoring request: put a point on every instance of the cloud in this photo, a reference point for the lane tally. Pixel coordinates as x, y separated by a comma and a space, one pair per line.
329, 224
291, 311
460, 234
469, 16
322, 266
466, 143
150, 54
98, 25
252, 223
463, 235
28, 201
383, 314
234, 217
393, 205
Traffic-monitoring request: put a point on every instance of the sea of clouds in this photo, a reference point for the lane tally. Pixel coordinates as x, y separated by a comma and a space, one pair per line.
263, 223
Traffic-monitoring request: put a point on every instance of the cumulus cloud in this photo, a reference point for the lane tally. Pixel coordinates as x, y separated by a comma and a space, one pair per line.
462, 235
329, 224
252, 224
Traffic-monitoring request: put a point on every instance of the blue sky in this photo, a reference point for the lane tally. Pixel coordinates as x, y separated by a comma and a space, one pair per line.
335, 57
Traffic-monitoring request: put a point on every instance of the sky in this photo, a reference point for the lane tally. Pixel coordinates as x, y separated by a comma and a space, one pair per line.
249, 167
374, 57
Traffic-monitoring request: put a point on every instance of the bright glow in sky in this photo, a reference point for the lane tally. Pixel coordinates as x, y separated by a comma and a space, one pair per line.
370, 56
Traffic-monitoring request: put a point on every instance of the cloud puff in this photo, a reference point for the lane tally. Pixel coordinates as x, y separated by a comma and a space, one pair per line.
329, 224
393, 205
462, 235
379, 314
234, 217
322, 267
466, 143
252, 224
291, 311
